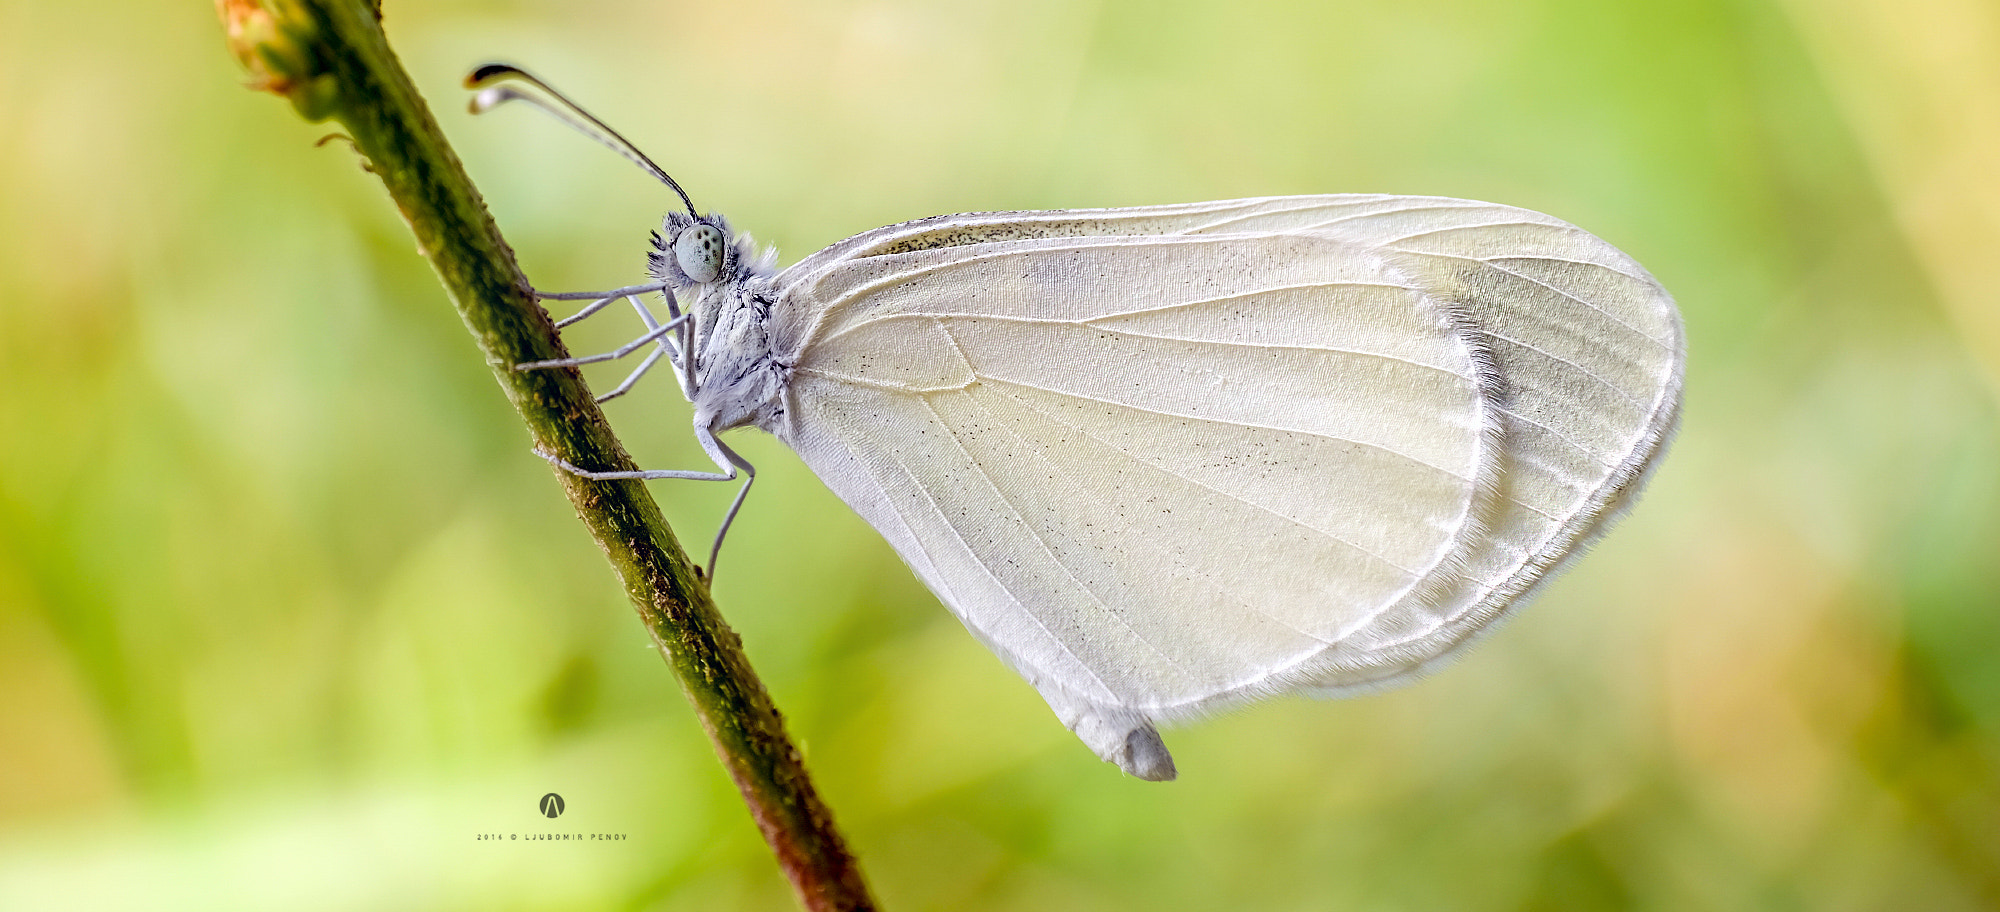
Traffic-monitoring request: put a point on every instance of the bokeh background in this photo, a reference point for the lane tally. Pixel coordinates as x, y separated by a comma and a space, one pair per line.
290, 616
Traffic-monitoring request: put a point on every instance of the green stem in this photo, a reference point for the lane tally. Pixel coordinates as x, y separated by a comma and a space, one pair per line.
331, 59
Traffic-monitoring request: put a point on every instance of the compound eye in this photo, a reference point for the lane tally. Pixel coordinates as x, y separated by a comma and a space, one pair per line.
699, 250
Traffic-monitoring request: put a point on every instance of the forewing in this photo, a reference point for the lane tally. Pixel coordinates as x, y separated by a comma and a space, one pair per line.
1585, 351
1151, 470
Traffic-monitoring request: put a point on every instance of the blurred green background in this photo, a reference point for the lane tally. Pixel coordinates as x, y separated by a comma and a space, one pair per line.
290, 615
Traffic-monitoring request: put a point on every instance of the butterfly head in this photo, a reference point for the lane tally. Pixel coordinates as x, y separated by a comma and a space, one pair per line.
691, 251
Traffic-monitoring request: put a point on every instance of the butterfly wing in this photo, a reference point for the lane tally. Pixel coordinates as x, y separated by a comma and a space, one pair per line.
1162, 459
1588, 353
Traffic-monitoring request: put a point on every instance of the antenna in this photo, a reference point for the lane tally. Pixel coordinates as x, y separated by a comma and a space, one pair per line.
569, 112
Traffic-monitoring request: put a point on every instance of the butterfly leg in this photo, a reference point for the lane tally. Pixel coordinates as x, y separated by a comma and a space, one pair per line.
725, 458
601, 298
626, 385
592, 308
666, 346
749, 477
656, 334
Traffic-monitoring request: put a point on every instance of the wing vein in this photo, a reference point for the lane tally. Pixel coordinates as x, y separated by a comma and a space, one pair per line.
1001, 496
1494, 263
1092, 321
917, 541
1245, 214
1297, 286
1187, 572
1352, 216
1493, 260
1242, 424
1622, 394
1562, 437
1208, 487
1128, 333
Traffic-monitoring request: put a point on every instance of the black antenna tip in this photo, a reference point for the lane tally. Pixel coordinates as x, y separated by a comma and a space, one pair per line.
489, 72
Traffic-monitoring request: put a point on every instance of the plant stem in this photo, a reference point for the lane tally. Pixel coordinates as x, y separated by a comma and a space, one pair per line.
331, 59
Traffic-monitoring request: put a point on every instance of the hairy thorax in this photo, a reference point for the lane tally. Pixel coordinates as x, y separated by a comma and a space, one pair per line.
738, 379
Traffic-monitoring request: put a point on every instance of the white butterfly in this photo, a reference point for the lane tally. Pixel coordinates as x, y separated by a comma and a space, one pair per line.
1166, 459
